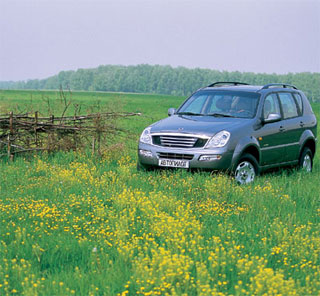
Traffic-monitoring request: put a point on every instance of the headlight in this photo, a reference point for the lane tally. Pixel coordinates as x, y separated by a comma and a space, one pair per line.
146, 136
218, 140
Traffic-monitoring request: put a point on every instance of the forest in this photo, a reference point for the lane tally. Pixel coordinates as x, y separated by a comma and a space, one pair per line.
159, 79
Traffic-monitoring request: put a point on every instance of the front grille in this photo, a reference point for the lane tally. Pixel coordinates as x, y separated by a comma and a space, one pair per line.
175, 156
178, 141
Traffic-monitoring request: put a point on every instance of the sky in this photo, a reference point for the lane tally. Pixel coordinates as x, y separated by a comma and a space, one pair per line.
40, 38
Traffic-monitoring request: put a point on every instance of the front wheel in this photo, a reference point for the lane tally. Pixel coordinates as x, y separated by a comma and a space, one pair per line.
246, 170
306, 160
143, 167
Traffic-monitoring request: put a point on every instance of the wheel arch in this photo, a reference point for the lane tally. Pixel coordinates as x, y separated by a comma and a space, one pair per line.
311, 144
250, 146
308, 140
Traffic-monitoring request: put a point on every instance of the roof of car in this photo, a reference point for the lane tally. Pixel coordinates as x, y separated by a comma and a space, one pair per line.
235, 87
247, 87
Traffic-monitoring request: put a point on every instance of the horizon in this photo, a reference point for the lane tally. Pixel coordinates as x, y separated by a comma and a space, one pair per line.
174, 67
40, 38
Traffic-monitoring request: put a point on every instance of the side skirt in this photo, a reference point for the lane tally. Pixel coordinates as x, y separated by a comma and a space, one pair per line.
276, 165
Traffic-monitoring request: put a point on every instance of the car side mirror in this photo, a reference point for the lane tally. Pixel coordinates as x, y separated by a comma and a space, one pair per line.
171, 111
272, 117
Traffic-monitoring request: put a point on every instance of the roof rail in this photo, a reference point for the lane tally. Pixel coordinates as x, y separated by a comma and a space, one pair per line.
227, 83
283, 85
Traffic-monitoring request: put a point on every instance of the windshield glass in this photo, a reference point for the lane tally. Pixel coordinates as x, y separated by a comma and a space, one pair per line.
221, 104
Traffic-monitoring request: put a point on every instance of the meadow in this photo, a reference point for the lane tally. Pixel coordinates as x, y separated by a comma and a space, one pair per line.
73, 223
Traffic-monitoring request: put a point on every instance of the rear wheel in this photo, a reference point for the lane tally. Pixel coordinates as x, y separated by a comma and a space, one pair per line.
246, 170
306, 160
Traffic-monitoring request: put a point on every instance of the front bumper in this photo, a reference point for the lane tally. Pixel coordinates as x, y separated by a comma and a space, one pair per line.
222, 162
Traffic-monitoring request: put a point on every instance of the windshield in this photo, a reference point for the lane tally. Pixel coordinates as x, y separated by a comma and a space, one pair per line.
221, 104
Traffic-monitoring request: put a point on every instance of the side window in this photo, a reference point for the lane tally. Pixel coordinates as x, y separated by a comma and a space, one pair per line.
288, 105
299, 102
271, 105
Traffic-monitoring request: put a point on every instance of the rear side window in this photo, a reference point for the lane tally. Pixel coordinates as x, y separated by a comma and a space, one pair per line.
288, 104
271, 105
299, 102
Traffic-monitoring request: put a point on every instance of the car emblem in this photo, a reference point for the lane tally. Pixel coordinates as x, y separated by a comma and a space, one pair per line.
180, 128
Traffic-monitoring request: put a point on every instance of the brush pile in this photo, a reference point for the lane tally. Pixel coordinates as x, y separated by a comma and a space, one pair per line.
30, 132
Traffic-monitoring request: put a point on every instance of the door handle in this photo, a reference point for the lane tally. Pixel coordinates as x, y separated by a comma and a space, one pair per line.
281, 128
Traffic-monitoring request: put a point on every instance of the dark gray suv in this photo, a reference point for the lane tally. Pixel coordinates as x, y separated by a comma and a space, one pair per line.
235, 127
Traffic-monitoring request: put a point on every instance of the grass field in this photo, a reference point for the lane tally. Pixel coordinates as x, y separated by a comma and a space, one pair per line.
74, 224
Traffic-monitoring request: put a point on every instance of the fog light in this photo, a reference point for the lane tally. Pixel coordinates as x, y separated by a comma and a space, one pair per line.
209, 157
145, 153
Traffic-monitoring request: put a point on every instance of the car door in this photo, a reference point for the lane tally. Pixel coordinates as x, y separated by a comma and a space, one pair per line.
270, 135
292, 129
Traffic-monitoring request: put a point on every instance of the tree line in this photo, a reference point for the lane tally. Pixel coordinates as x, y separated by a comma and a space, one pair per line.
161, 80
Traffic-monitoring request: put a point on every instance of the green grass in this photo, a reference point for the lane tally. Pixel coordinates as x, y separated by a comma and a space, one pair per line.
72, 223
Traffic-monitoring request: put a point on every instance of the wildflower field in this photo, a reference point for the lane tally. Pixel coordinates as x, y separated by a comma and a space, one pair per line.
76, 224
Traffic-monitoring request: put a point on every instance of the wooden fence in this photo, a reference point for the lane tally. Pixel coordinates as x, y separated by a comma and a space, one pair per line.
30, 132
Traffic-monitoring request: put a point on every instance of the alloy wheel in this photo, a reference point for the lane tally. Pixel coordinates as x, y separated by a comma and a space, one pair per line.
245, 172
307, 163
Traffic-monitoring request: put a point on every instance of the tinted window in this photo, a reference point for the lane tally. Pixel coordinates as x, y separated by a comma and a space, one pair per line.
231, 103
288, 105
271, 105
299, 101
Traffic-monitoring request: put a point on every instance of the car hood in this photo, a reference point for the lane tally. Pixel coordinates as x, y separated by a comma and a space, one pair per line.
202, 125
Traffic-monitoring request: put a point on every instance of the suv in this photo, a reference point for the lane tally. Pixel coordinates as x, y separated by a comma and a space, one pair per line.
235, 127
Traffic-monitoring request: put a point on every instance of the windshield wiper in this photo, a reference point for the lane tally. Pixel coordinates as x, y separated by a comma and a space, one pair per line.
189, 113
219, 115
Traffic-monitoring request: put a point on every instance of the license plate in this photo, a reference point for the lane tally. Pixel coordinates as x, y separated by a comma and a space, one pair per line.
174, 163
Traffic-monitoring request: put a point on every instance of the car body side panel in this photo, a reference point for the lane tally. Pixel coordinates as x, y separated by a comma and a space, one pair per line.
291, 135
271, 142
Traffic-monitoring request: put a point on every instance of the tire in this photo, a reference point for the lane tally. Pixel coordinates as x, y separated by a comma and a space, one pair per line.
306, 160
246, 169
143, 168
